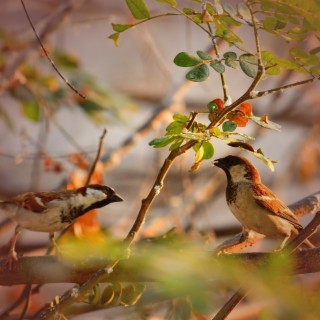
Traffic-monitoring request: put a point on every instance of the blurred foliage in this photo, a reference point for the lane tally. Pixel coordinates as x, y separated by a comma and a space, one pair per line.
36, 88
191, 279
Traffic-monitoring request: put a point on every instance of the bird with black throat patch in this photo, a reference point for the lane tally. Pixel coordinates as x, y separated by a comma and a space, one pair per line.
255, 206
53, 211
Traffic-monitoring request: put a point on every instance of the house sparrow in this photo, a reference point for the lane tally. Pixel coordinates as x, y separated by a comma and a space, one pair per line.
255, 206
54, 211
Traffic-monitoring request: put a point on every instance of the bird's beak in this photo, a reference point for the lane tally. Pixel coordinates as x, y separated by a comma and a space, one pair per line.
218, 163
115, 198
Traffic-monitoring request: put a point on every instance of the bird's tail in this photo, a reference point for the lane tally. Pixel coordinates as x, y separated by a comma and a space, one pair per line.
6, 208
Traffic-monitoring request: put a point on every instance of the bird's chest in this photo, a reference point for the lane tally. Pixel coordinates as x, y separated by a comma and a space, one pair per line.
244, 207
240, 202
53, 219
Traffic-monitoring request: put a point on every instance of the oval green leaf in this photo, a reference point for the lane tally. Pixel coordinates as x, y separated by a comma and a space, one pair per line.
230, 55
217, 66
198, 74
180, 118
249, 64
184, 59
229, 126
203, 55
121, 27
208, 150
138, 9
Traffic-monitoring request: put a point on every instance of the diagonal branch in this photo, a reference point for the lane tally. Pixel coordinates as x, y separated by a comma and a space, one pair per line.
47, 55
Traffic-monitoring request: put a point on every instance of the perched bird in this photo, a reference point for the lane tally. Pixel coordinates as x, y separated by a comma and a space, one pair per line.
54, 211
255, 206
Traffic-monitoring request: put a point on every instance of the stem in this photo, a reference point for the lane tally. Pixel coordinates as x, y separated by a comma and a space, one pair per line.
230, 305
222, 78
146, 203
93, 167
47, 55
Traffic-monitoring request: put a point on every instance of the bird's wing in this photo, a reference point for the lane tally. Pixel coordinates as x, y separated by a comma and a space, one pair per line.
36, 202
267, 199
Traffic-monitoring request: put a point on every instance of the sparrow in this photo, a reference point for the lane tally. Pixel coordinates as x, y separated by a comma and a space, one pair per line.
255, 206
53, 211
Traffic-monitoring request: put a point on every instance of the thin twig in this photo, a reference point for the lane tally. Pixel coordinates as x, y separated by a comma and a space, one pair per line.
20, 299
93, 167
308, 231
280, 89
47, 55
230, 305
222, 78
27, 302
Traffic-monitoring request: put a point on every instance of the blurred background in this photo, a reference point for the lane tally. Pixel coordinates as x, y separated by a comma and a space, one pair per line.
50, 135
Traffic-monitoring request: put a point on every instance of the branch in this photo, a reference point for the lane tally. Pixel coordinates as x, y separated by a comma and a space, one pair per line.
50, 269
259, 94
53, 22
157, 186
47, 55
93, 167
230, 305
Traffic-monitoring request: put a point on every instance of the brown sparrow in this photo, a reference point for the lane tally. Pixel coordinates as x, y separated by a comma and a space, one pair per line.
255, 206
54, 211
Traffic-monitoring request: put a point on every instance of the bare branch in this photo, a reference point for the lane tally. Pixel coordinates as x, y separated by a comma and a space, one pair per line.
47, 55
230, 305
93, 167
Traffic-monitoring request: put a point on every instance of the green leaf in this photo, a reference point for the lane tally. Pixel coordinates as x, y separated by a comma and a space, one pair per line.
203, 55
249, 64
67, 61
258, 154
138, 9
315, 71
115, 38
230, 58
121, 27
172, 3
230, 55
188, 11
271, 24
162, 142
265, 124
231, 63
31, 110
89, 106
217, 66
303, 57
175, 127
229, 126
198, 74
208, 150
232, 12
180, 118
244, 12
176, 144
215, 131
184, 59
265, 160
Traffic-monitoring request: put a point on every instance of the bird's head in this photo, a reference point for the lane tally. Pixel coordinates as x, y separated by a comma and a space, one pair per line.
97, 196
238, 169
